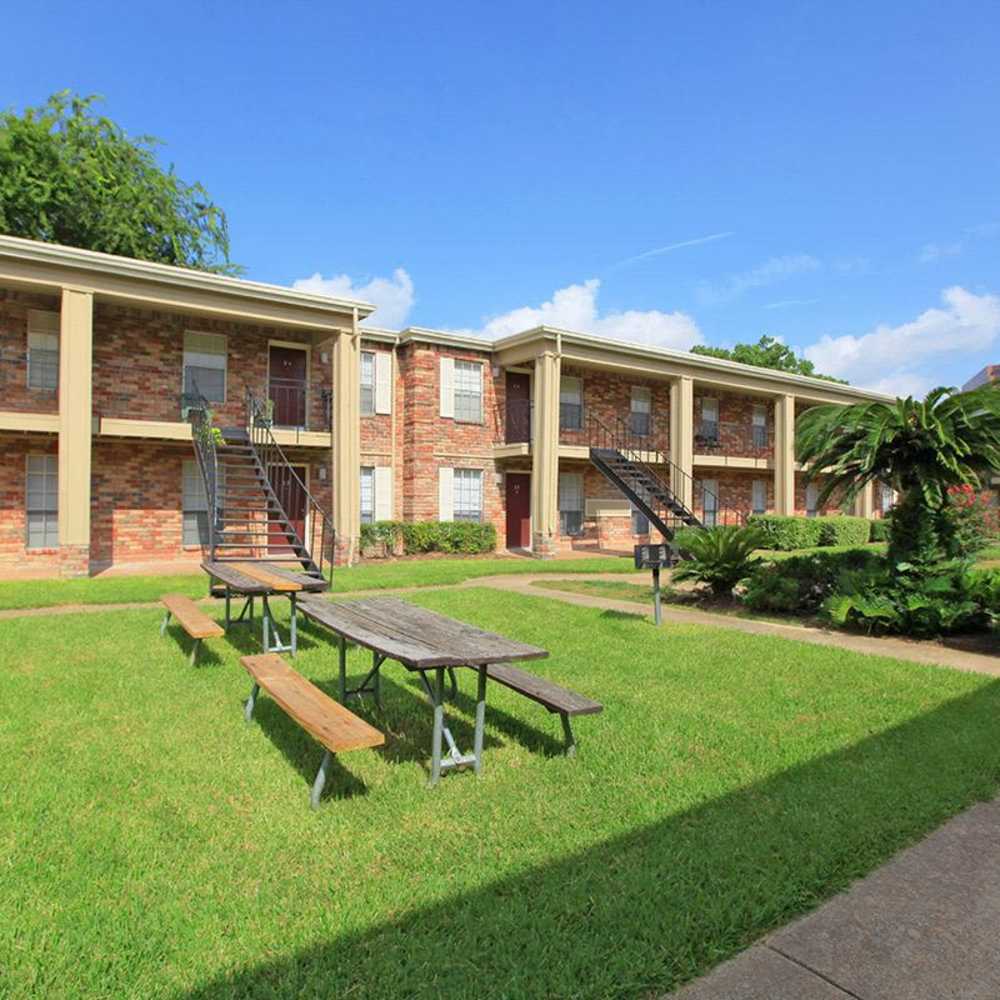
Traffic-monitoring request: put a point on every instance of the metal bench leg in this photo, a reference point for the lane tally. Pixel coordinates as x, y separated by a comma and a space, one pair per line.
229, 616
294, 630
194, 652
251, 701
568, 734
454, 683
166, 620
437, 698
265, 619
320, 782
377, 679
342, 682
477, 745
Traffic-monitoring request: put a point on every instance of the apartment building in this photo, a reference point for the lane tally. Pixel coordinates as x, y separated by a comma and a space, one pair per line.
101, 358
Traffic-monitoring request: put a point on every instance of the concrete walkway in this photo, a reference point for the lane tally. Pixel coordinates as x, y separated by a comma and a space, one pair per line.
922, 927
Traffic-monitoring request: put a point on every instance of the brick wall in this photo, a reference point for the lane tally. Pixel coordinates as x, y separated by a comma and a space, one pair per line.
14, 391
382, 433
735, 423
139, 360
13, 516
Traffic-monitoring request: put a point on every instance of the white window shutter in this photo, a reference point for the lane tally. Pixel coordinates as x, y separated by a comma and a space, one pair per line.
446, 494
383, 493
448, 389
383, 382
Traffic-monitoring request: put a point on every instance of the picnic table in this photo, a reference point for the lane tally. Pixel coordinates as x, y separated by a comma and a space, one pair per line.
251, 580
423, 642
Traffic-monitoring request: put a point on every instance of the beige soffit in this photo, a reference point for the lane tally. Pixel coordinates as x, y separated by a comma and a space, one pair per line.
55, 255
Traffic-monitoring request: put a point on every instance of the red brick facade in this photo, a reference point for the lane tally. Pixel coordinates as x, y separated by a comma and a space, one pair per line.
14, 391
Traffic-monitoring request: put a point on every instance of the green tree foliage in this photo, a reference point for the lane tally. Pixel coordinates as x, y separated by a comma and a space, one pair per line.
766, 353
920, 448
70, 176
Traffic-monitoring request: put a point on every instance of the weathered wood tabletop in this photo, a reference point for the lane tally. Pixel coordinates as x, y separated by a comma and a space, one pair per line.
417, 638
251, 578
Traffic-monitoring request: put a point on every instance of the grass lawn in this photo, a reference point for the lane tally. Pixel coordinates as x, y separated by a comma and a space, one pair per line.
371, 576
153, 845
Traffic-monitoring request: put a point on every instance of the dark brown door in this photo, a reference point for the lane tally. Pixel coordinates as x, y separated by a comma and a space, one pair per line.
290, 492
518, 510
518, 407
287, 386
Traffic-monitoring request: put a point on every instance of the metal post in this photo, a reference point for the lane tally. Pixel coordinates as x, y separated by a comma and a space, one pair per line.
294, 640
657, 611
377, 679
320, 782
343, 671
265, 619
438, 697
228, 599
251, 701
454, 683
166, 619
568, 735
194, 652
477, 745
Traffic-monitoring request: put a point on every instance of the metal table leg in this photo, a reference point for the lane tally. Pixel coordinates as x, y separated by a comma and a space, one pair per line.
477, 746
437, 699
294, 630
342, 684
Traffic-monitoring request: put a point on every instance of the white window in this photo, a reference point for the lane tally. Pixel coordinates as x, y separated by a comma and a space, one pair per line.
205, 366
42, 502
710, 502
570, 403
758, 496
43, 350
709, 429
812, 500
194, 505
570, 503
759, 427
367, 494
367, 384
641, 413
468, 485
469, 392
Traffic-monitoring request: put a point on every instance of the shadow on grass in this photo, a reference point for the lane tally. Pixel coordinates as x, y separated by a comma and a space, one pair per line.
207, 657
643, 912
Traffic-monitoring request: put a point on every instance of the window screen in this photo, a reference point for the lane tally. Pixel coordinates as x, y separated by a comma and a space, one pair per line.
469, 392
42, 502
468, 493
570, 503
205, 366
367, 495
367, 383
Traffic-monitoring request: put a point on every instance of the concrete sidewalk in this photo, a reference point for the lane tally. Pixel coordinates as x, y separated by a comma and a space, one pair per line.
925, 926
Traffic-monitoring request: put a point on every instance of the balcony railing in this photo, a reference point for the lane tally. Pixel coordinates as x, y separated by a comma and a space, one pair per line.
517, 422
714, 437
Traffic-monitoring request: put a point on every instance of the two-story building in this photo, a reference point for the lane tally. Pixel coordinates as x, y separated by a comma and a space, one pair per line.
100, 356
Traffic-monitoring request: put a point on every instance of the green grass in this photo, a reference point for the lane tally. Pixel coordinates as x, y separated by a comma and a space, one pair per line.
153, 845
371, 576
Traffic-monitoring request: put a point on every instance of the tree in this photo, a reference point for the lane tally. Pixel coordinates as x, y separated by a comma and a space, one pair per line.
766, 353
70, 176
920, 448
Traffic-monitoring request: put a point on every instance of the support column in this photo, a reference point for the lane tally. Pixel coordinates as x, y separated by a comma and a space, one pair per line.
76, 350
784, 455
346, 459
864, 505
545, 456
682, 438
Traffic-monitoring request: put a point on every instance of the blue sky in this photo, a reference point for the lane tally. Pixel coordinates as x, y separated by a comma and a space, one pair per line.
662, 172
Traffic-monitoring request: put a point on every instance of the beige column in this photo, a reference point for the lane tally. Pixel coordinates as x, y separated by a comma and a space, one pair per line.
346, 458
682, 438
864, 505
545, 456
784, 455
76, 351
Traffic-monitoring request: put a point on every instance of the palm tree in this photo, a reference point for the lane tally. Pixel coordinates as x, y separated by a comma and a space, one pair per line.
919, 448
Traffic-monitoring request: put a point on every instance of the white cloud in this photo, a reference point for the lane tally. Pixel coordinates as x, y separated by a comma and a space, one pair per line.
789, 303
657, 251
393, 297
892, 356
773, 270
575, 308
935, 251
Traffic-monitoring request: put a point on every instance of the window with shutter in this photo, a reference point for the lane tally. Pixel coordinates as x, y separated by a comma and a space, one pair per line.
570, 403
468, 494
640, 417
758, 496
383, 382
367, 494
570, 503
194, 504
469, 392
367, 383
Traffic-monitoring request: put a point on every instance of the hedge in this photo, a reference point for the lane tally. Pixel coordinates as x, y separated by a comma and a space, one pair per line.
845, 529
788, 533
465, 537
879, 530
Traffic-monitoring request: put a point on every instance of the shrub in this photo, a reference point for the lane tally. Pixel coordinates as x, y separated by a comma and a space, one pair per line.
800, 584
719, 557
787, 533
974, 518
879, 530
388, 537
844, 529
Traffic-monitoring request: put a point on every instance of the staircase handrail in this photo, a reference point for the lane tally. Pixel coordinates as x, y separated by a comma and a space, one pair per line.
206, 439
259, 419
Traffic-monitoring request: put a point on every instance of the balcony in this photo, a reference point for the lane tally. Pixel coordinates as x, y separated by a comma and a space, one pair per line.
517, 422
728, 438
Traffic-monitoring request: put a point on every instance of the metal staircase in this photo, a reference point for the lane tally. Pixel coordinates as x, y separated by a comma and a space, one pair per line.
251, 488
644, 474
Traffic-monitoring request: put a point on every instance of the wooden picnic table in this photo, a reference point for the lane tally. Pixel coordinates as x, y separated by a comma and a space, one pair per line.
422, 641
251, 580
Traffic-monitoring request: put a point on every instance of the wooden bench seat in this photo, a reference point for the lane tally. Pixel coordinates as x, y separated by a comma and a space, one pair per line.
554, 697
192, 619
328, 722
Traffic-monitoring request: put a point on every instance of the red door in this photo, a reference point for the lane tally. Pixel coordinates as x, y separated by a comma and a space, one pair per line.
291, 495
518, 407
518, 510
287, 386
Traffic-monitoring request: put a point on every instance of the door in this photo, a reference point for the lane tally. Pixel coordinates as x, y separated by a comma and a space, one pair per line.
286, 385
518, 407
518, 510
291, 494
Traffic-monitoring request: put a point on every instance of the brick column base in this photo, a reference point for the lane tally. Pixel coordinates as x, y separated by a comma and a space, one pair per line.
543, 546
74, 560
345, 551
